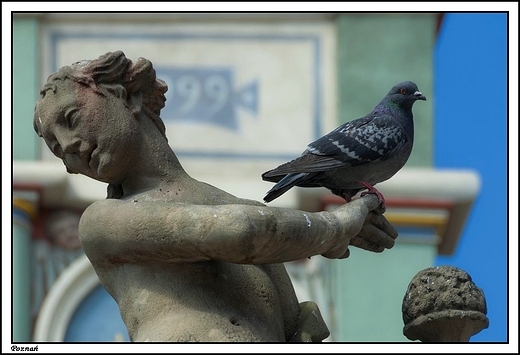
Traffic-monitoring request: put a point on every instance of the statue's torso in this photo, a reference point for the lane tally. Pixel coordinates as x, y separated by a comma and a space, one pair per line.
202, 301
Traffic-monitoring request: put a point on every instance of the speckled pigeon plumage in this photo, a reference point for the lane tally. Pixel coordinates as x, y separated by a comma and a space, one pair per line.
358, 154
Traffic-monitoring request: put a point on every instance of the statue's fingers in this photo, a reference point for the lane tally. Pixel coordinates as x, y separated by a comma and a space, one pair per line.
362, 243
382, 224
372, 234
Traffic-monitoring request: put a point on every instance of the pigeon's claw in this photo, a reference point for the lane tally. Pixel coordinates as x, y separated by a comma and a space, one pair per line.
372, 190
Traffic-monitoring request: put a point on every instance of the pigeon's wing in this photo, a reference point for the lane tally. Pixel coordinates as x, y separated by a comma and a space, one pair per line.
361, 141
267, 176
307, 163
365, 140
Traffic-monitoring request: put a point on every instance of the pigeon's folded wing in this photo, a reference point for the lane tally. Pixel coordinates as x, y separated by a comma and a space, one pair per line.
355, 143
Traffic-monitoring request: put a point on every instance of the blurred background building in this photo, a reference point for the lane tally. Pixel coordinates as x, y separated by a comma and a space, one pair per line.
250, 91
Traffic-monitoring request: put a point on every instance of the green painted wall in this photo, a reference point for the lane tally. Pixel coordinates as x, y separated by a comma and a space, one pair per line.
375, 52
21, 281
368, 291
26, 58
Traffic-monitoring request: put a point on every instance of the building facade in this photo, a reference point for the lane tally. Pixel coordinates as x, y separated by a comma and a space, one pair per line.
232, 79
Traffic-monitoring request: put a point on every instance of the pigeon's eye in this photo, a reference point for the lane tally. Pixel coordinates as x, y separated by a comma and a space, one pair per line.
403, 91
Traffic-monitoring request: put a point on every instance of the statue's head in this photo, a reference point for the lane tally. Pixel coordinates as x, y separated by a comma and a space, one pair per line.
87, 112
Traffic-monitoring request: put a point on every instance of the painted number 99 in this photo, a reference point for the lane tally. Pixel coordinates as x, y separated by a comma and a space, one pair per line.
210, 93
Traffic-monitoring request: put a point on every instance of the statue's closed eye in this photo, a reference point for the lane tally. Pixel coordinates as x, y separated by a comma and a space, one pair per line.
70, 117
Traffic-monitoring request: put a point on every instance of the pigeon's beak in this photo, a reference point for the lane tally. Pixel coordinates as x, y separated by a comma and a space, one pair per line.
419, 96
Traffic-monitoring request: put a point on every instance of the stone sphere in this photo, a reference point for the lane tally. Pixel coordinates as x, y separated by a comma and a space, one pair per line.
443, 297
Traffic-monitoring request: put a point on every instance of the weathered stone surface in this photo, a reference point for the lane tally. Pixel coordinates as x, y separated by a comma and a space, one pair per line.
443, 304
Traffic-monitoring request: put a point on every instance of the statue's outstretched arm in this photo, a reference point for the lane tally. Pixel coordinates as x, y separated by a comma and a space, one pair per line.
166, 232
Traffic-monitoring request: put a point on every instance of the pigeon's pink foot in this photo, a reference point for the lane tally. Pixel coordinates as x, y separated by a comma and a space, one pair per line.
372, 190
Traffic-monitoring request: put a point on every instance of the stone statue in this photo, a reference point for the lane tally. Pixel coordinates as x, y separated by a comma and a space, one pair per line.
184, 260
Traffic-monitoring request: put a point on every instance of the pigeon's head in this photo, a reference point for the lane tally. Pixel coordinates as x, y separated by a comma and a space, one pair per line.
405, 94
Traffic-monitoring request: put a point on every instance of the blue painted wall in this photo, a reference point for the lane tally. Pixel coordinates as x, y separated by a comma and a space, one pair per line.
97, 319
470, 131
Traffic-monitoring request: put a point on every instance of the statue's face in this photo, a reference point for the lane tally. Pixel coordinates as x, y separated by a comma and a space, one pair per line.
94, 135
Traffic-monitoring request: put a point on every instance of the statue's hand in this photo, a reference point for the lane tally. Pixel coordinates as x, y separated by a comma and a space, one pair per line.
364, 226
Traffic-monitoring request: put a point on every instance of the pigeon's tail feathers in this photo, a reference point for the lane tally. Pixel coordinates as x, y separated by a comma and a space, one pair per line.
269, 176
285, 184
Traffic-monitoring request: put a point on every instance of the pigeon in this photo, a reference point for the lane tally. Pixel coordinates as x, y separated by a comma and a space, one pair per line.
358, 154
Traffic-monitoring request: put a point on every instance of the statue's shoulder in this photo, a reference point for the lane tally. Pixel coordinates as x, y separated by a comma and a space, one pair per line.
98, 213
96, 227
105, 217
101, 207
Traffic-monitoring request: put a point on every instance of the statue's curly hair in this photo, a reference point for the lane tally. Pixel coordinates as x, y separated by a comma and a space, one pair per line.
114, 74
